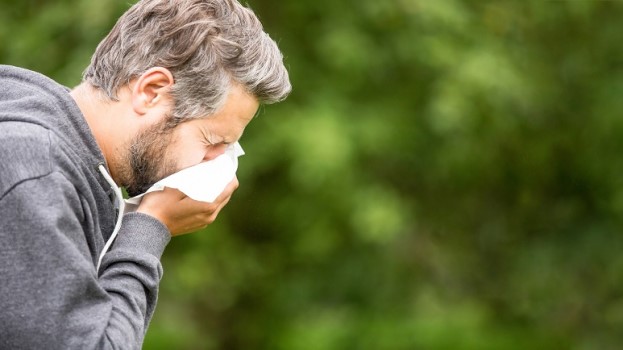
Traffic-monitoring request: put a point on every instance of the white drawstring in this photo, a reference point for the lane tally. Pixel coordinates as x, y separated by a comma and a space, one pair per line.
121, 205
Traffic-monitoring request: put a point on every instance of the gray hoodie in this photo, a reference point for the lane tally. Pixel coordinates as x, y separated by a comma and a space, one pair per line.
57, 211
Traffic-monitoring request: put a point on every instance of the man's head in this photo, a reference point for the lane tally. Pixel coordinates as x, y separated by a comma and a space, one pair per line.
201, 51
164, 148
206, 44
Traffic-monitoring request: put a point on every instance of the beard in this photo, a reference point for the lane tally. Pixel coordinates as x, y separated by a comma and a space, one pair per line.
147, 160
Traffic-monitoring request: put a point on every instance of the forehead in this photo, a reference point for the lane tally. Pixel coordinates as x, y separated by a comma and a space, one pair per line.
239, 103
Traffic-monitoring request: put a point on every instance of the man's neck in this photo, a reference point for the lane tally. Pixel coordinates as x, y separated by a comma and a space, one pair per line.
101, 115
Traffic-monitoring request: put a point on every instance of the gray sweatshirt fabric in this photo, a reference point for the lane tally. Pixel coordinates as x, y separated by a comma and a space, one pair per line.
56, 213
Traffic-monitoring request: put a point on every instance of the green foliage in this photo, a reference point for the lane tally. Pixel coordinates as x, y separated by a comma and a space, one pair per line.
445, 175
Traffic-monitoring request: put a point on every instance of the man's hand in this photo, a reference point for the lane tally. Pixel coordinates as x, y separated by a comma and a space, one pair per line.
180, 213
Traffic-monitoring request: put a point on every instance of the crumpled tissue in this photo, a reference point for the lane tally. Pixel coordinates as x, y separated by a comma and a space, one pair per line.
202, 182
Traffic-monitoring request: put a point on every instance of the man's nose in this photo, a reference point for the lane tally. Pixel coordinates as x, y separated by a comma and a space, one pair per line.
214, 151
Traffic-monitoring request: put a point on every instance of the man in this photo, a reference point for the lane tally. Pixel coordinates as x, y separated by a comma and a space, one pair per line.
171, 86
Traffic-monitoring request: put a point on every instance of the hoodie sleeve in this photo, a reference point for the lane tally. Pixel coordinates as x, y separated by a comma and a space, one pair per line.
50, 294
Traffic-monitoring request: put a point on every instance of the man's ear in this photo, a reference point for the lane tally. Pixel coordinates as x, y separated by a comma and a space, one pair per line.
150, 89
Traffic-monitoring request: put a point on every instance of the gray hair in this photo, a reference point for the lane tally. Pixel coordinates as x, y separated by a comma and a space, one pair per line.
208, 45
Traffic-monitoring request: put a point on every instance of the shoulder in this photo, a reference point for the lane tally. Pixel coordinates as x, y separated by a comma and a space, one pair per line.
13, 77
24, 151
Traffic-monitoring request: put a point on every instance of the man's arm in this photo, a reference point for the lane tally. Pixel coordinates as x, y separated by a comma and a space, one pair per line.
50, 295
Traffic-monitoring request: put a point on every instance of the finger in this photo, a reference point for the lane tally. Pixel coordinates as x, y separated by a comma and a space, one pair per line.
224, 198
229, 190
220, 206
174, 191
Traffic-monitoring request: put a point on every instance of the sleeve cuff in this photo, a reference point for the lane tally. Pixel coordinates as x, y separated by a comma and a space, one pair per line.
143, 232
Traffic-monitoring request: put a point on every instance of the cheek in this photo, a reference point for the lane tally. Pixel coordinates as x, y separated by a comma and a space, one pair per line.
184, 150
186, 155
194, 154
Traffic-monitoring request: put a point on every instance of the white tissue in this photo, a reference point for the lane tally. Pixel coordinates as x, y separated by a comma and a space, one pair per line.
202, 182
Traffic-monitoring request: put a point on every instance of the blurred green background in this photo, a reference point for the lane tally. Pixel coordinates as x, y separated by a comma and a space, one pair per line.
445, 175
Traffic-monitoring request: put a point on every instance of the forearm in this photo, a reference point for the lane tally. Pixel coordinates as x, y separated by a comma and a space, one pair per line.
131, 272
